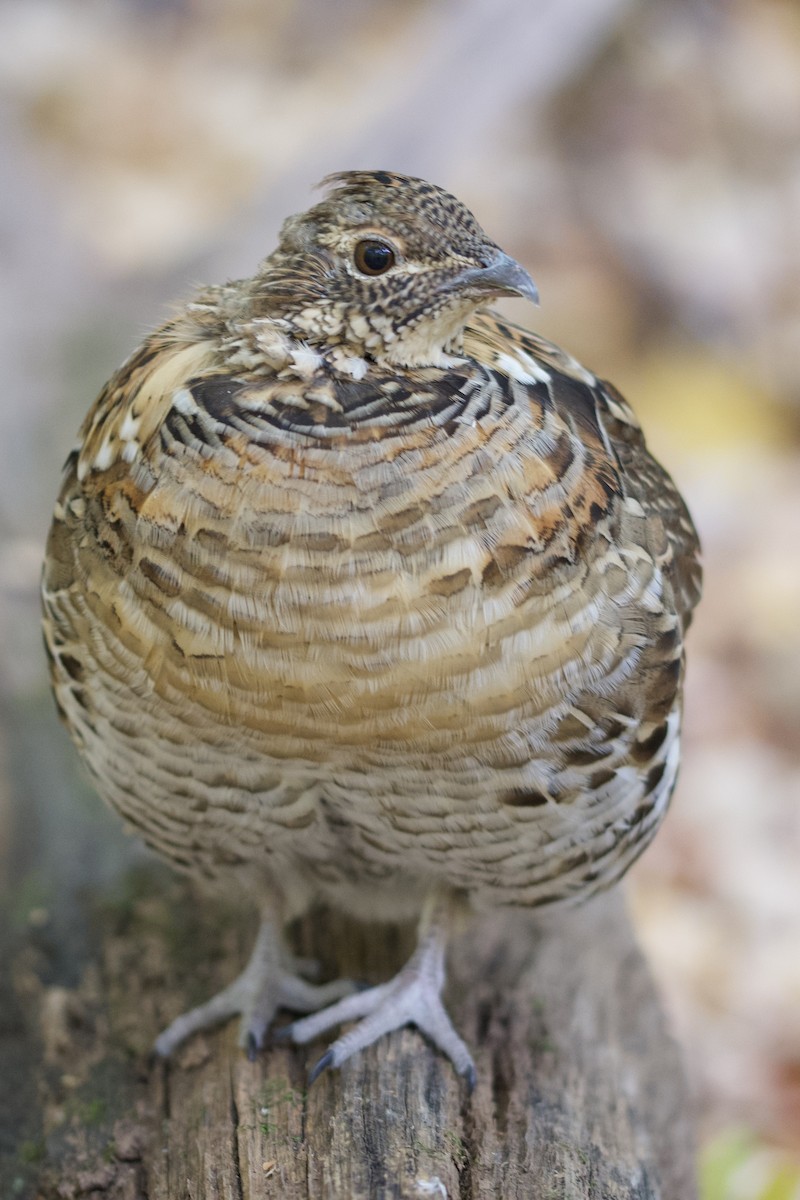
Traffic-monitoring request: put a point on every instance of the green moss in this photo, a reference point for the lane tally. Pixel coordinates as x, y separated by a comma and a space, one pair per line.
457, 1147
35, 891
274, 1094
278, 1091
92, 1112
32, 1151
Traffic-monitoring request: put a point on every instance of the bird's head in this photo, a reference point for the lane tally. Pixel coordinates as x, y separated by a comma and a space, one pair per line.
387, 265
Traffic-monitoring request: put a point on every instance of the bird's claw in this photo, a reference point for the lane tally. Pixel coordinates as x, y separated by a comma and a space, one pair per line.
320, 1066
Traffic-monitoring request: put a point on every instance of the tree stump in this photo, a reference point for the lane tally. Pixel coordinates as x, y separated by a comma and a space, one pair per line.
580, 1091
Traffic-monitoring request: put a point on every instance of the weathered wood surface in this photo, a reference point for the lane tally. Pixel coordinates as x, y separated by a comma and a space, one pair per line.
579, 1093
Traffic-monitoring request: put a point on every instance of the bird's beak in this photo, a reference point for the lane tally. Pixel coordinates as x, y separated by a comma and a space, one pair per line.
501, 276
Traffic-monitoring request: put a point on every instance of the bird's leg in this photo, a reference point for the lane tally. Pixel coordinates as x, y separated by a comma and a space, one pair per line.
413, 997
270, 981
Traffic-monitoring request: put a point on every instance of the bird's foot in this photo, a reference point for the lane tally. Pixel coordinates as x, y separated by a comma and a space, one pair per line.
413, 997
271, 980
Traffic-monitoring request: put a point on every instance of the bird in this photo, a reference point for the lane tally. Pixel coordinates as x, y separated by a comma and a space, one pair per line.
358, 594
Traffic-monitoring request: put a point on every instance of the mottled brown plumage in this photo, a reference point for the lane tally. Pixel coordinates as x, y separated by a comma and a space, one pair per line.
355, 592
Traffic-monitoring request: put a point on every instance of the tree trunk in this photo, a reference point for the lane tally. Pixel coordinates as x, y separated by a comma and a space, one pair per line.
580, 1091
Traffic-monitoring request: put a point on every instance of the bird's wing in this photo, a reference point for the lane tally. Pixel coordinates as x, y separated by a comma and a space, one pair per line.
135, 400
604, 418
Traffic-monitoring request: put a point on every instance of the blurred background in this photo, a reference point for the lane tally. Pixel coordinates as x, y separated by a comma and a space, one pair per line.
643, 160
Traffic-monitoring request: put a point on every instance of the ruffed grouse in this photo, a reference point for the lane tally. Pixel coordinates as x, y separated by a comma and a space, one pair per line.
358, 593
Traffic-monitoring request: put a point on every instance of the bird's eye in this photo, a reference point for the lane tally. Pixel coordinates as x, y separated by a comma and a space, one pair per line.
373, 257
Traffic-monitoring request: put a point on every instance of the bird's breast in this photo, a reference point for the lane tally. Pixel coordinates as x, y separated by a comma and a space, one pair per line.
400, 590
